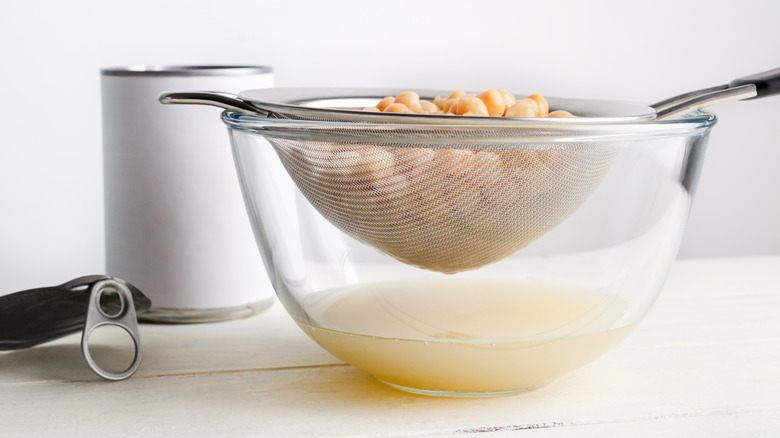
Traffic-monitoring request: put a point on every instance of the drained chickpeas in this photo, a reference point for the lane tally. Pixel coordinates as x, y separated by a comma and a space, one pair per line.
495, 102
469, 106
457, 94
445, 108
508, 98
429, 107
397, 108
410, 99
561, 113
439, 102
384, 103
541, 102
523, 108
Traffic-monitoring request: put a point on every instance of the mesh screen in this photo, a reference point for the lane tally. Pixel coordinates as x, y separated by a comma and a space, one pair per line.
446, 210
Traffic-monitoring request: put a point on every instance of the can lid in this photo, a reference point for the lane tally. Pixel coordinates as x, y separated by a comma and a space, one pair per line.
186, 70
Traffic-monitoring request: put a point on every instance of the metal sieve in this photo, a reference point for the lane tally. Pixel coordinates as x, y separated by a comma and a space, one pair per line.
447, 193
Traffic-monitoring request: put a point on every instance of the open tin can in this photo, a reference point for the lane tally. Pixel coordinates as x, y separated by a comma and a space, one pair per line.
175, 222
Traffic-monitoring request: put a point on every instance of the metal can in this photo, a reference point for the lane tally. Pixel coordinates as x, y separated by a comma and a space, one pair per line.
176, 225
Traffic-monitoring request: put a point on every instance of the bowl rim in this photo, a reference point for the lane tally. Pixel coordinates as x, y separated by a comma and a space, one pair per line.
521, 131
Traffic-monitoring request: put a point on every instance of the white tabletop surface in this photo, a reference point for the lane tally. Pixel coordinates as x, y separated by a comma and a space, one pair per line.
705, 362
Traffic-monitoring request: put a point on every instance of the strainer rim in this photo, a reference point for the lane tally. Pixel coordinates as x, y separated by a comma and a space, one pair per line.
531, 130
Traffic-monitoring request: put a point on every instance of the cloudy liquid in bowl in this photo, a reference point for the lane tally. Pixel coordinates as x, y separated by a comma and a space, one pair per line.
476, 337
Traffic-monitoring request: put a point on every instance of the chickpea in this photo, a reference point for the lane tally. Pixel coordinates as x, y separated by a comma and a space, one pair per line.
509, 99
363, 165
408, 98
523, 108
428, 107
469, 106
384, 103
345, 165
452, 162
560, 113
439, 102
494, 101
411, 100
485, 172
397, 108
378, 164
391, 191
457, 94
448, 104
412, 160
544, 108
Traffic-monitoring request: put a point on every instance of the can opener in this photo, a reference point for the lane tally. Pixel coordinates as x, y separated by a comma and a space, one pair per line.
35, 316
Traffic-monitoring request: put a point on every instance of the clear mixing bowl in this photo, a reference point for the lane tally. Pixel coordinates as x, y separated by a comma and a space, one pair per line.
513, 325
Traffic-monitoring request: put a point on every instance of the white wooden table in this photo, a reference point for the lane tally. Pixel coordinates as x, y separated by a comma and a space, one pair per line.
706, 362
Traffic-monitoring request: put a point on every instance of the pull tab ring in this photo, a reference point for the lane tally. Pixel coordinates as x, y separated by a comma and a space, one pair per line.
124, 318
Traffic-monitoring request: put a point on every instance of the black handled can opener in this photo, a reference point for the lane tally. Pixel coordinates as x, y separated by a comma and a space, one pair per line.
35, 316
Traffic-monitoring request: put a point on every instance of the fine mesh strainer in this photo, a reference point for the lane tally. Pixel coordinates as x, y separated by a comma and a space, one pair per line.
446, 193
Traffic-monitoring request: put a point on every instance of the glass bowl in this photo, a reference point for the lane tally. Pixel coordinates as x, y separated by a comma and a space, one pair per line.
510, 326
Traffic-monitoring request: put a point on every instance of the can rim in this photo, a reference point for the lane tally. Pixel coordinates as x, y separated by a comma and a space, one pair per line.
186, 70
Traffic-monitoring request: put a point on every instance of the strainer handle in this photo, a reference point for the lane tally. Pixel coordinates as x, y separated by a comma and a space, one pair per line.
226, 101
749, 87
767, 83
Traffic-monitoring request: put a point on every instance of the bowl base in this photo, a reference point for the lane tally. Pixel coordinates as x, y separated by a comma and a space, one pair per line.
461, 394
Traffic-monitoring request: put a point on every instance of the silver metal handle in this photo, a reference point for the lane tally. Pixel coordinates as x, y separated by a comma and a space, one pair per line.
226, 101
702, 98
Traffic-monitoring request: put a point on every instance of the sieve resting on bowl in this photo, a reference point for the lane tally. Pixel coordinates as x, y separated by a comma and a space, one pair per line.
446, 193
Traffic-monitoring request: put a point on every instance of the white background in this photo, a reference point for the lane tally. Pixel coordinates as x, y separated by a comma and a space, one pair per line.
51, 196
